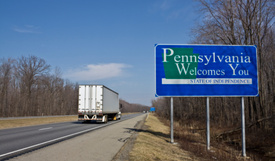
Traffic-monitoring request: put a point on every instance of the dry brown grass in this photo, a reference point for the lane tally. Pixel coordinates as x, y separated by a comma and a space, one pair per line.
153, 143
12, 123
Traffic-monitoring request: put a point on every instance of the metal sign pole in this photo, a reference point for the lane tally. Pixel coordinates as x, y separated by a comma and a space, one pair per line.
207, 124
172, 121
243, 129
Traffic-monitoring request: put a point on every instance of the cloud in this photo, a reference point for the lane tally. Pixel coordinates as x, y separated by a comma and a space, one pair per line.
27, 29
97, 72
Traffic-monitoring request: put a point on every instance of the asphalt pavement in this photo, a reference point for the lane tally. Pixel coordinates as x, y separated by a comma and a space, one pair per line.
16, 143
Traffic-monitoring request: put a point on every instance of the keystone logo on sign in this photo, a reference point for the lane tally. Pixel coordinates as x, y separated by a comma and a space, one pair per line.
206, 70
180, 69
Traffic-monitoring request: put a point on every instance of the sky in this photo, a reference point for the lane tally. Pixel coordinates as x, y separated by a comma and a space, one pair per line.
109, 42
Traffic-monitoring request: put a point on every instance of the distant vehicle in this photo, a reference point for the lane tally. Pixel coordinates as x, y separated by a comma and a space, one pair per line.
98, 103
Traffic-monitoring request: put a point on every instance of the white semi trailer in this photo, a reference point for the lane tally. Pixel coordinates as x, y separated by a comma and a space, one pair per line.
98, 103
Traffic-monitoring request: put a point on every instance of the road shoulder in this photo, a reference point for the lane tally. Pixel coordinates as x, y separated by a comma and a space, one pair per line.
125, 150
102, 144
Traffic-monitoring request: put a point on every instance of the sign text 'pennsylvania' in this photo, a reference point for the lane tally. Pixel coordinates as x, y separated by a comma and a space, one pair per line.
206, 70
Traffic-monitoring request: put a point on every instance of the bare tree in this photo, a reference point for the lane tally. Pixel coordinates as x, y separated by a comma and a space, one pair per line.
6, 70
28, 71
244, 22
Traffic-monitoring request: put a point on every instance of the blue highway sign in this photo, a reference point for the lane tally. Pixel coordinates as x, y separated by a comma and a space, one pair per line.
206, 70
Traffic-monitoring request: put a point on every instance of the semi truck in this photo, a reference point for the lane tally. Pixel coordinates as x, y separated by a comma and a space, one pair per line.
98, 103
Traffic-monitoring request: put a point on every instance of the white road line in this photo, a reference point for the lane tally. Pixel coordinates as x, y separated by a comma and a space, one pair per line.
53, 140
48, 128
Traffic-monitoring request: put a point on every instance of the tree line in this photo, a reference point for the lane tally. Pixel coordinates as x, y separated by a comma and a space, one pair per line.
28, 87
132, 107
233, 22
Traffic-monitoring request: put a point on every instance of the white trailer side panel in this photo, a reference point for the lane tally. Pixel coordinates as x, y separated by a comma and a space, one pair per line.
110, 101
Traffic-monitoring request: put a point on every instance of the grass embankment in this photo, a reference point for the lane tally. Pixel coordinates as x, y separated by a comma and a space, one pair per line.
153, 143
12, 123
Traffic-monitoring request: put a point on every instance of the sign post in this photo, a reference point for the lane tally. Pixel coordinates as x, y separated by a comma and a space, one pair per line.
207, 125
243, 129
206, 71
172, 121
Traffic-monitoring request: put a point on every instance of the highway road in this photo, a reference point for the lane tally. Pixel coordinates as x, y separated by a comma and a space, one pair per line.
16, 141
